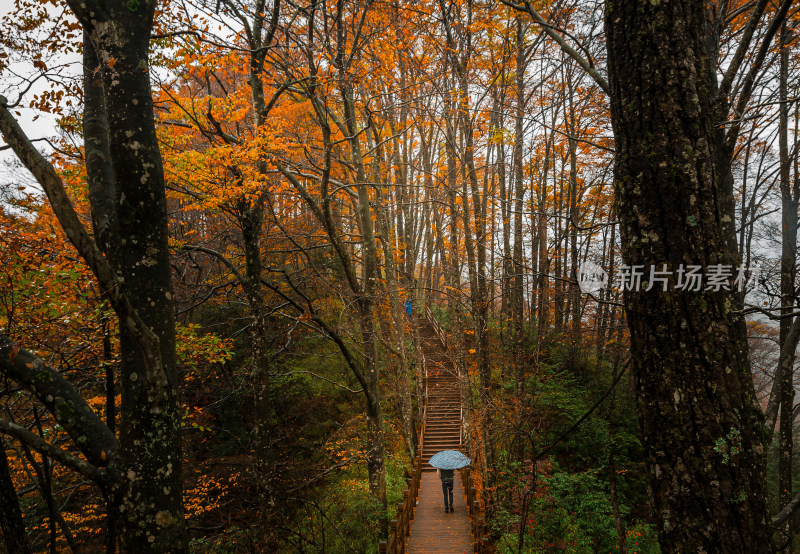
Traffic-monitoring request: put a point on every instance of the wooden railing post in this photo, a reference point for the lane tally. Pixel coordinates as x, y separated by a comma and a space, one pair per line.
409, 511
393, 533
382, 547
401, 525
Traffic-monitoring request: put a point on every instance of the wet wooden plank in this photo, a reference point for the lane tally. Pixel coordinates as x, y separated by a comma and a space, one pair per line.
434, 531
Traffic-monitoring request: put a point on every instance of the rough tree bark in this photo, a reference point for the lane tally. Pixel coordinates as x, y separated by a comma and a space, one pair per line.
150, 501
144, 474
701, 425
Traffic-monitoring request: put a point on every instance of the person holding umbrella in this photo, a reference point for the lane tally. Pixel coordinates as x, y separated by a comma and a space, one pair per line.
446, 475
445, 462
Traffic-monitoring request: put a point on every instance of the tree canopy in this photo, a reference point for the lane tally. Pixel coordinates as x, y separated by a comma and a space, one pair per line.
252, 234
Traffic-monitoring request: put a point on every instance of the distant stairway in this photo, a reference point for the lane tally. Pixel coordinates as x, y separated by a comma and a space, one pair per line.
443, 414
422, 526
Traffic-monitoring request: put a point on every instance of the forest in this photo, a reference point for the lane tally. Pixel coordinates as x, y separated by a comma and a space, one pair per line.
261, 259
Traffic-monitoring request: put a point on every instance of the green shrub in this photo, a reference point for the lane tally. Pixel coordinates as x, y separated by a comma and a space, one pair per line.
571, 512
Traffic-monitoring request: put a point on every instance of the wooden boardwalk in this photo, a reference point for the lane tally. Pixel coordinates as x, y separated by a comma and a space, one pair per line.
432, 530
435, 531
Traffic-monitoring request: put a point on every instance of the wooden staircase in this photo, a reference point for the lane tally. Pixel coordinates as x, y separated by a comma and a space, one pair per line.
443, 412
462, 530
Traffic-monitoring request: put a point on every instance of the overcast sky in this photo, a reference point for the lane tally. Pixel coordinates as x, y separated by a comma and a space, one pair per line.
35, 127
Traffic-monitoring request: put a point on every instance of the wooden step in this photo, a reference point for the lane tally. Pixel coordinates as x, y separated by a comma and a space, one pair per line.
439, 429
429, 450
443, 427
426, 456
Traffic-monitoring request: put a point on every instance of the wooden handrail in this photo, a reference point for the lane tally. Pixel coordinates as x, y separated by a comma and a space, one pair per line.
436, 327
477, 516
400, 526
442, 338
406, 510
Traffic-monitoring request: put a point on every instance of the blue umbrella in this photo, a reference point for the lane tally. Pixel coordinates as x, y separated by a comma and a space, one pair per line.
449, 459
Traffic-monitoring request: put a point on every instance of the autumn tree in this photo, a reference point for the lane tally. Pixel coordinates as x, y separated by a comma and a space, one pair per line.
675, 150
130, 259
690, 363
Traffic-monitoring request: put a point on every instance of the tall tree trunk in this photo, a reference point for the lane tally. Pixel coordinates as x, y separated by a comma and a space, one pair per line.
543, 283
395, 330
144, 468
100, 180
789, 203
251, 216
149, 496
701, 425
573, 294
10, 514
558, 254
250, 219
507, 277
366, 302
518, 284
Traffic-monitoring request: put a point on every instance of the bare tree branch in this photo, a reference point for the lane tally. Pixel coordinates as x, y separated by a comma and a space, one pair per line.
527, 7
45, 448
110, 284
61, 399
